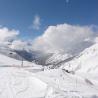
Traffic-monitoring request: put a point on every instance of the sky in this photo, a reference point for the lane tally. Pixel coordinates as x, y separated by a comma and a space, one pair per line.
49, 25
32, 17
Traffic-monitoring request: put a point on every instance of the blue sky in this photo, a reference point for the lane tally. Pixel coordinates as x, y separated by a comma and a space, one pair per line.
20, 14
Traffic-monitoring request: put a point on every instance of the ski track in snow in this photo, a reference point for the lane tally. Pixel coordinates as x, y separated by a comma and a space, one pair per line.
69, 85
20, 84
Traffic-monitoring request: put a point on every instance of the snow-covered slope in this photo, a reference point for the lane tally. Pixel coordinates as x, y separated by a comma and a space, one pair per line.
64, 85
7, 61
18, 83
57, 57
87, 61
37, 57
29, 55
10, 53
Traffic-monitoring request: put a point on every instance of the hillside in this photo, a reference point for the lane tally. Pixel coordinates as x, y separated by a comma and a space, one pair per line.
87, 61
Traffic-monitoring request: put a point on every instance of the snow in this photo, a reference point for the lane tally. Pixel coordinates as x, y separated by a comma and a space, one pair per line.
18, 83
64, 85
31, 81
55, 83
87, 61
57, 57
4, 61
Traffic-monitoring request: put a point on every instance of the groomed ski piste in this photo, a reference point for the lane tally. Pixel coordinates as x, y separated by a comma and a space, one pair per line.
24, 82
19, 83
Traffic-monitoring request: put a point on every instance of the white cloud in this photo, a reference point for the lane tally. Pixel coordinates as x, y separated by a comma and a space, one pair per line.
36, 22
9, 38
66, 37
7, 35
21, 45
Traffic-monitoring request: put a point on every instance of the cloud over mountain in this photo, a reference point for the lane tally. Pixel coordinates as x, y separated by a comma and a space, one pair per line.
7, 35
21, 45
9, 38
65, 37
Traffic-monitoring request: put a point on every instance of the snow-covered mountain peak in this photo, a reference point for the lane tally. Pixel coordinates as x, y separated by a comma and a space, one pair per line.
57, 57
91, 50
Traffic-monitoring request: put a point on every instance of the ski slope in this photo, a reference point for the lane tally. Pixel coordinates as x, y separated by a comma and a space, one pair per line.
18, 83
65, 85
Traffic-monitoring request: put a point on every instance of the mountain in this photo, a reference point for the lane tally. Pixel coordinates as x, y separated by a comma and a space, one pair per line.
37, 57
86, 61
56, 82
34, 56
26, 55
57, 57
10, 53
7, 61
